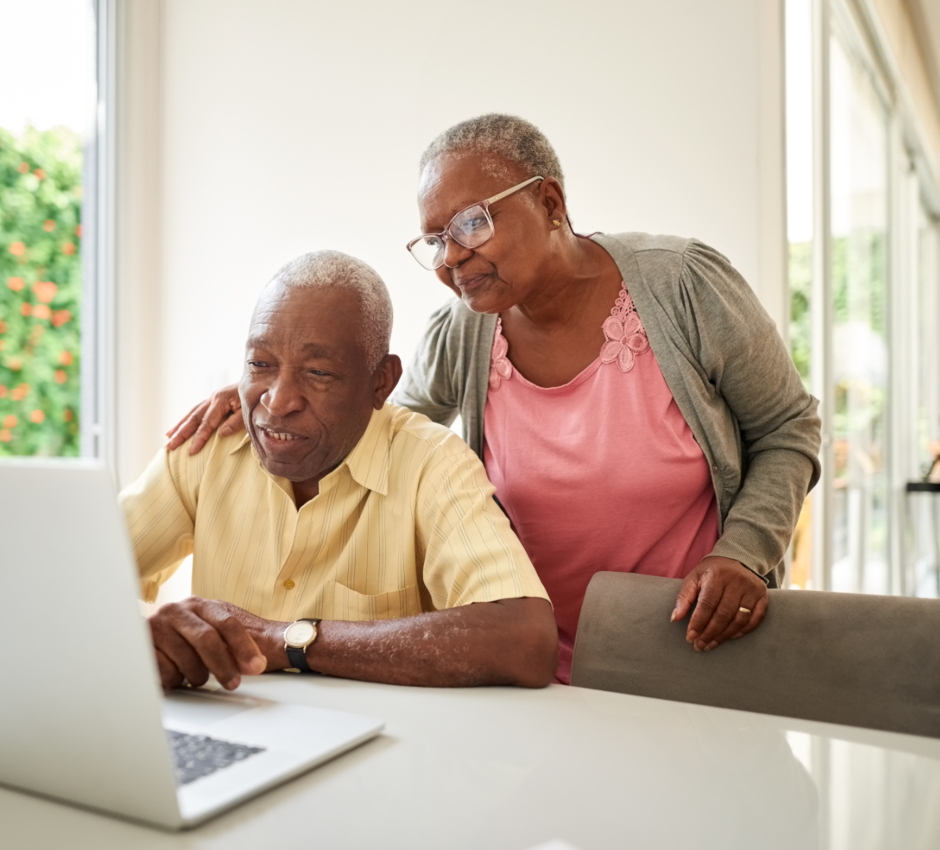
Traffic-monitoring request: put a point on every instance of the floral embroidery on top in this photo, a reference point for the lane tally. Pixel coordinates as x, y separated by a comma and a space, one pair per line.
500, 367
624, 332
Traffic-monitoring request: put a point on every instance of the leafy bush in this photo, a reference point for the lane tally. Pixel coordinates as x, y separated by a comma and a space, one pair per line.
40, 292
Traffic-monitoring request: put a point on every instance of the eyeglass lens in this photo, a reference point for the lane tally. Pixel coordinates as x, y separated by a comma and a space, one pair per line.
470, 227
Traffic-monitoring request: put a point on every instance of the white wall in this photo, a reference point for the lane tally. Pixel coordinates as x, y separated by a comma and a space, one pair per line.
289, 125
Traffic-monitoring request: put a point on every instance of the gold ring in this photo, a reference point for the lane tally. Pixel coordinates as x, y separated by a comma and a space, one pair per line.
745, 610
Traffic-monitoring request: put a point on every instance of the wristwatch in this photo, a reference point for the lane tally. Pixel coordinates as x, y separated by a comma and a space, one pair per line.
297, 637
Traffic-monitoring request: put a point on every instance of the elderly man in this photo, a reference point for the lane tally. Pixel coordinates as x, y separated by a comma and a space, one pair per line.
341, 534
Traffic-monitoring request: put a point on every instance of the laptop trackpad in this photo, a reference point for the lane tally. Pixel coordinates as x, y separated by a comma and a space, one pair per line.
188, 709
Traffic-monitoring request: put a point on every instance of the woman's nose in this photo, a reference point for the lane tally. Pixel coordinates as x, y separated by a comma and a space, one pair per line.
455, 253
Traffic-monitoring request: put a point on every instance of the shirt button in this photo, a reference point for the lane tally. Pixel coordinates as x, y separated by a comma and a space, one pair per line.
288, 584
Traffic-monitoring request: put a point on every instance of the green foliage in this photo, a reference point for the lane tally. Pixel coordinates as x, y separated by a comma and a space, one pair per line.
801, 279
40, 292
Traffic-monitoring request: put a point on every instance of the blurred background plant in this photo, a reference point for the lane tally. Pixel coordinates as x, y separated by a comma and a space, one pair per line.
40, 291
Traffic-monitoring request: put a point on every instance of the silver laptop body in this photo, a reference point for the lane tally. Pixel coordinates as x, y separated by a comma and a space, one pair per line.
81, 710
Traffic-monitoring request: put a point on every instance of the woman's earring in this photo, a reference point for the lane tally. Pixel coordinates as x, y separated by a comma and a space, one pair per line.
556, 222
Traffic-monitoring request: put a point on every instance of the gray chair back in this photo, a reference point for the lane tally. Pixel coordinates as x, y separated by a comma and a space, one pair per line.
856, 659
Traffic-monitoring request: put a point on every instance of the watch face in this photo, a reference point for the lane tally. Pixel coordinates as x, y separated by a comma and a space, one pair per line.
299, 634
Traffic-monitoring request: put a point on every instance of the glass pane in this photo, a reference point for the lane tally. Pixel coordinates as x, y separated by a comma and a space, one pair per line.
858, 128
799, 71
43, 121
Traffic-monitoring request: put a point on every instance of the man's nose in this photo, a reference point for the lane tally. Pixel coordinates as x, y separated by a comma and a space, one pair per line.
283, 395
454, 253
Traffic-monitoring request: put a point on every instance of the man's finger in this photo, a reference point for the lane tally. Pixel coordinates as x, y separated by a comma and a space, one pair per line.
178, 650
170, 676
209, 646
250, 659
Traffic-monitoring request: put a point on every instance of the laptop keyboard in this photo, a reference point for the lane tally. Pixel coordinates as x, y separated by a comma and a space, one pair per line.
199, 755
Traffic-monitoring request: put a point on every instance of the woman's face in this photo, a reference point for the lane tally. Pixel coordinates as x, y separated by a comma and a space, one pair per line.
505, 270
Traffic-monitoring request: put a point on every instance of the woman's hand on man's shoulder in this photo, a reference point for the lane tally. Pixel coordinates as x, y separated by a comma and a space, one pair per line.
222, 411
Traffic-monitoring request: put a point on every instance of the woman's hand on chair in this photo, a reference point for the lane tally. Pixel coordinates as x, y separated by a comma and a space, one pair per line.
730, 601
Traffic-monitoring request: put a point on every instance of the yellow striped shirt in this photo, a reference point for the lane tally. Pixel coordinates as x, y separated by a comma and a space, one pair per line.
406, 523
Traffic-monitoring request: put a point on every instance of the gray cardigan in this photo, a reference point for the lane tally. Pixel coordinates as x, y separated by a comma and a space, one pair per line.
723, 360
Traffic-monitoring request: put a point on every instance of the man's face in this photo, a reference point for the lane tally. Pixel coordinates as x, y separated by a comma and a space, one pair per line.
306, 392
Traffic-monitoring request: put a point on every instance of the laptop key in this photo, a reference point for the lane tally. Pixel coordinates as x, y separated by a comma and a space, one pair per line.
197, 756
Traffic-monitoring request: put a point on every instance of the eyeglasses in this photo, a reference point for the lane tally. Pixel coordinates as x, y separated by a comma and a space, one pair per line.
470, 227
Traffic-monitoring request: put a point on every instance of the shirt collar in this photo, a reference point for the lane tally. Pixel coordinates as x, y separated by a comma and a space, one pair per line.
368, 462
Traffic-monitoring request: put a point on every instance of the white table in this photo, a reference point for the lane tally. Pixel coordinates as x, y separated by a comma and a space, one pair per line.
505, 768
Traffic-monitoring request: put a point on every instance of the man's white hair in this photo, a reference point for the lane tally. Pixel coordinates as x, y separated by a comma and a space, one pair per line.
501, 139
337, 270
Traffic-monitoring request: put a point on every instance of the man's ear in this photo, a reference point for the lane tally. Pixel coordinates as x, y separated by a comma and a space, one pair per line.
385, 378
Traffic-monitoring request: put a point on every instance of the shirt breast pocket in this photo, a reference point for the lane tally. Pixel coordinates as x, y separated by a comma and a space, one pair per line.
349, 604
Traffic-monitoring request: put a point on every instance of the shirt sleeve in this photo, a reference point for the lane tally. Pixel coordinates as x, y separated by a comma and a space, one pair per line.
471, 553
160, 510
747, 363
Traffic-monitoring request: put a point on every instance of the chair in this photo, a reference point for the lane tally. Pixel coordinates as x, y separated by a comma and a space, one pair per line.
855, 659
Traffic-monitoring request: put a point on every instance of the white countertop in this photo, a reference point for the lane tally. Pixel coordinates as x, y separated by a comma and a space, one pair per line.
506, 768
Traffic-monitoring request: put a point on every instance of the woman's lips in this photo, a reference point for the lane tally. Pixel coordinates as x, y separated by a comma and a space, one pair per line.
467, 282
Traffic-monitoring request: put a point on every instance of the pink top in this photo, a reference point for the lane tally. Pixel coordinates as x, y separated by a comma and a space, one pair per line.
602, 473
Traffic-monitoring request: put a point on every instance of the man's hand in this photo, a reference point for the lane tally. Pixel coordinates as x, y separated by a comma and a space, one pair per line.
221, 410
732, 602
196, 637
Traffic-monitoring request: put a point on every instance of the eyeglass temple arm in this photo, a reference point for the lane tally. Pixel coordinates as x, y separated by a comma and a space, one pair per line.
516, 188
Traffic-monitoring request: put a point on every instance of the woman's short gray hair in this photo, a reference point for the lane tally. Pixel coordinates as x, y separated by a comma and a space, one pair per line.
339, 270
501, 139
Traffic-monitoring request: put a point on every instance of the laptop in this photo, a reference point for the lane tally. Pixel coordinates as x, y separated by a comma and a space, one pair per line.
83, 718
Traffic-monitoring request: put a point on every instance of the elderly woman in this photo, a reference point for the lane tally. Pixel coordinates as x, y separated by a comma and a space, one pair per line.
633, 403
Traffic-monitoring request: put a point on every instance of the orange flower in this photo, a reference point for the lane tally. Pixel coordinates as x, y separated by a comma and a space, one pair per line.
78, 231
67, 416
5, 436
37, 417
3, 391
60, 317
42, 311
40, 173
45, 290
3, 327
10, 421
68, 249
23, 167
17, 249
26, 309
15, 364
15, 283
48, 225
19, 393
66, 358
60, 376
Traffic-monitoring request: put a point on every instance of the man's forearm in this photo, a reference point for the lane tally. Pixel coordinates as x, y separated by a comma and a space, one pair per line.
509, 642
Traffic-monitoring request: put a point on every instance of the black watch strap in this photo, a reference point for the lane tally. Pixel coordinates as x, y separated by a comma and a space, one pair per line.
298, 656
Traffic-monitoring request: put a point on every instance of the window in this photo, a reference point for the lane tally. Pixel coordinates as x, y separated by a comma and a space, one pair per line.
46, 132
863, 272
